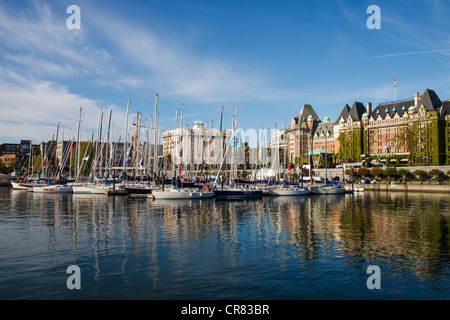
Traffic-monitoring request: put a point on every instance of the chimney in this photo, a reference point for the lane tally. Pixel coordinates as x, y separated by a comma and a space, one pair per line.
416, 99
369, 108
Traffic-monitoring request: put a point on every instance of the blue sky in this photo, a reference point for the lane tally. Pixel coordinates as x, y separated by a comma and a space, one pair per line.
268, 57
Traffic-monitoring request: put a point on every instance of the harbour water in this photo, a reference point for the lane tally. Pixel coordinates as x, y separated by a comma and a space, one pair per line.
274, 248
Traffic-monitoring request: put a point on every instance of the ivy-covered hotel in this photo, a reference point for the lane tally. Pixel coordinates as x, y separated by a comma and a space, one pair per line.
413, 132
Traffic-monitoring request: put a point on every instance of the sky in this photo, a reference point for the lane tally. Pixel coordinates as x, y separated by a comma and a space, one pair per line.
269, 58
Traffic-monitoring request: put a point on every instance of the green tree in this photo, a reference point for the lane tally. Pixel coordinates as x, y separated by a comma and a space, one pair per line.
12, 166
2, 167
377, 172
364, 172
421, 174
405, 174
391, 172
437, 173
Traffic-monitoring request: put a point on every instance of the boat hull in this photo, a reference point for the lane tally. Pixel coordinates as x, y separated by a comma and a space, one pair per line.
53, 189
238, 194
182, 194
89, 189
288, 192
328, 190
355, 189
138, 191
20, 186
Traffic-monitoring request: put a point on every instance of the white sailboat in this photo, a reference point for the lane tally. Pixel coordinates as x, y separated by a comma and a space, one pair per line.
57, 188
20, 186
234, 191
353, 189
285, 190
177, 193
288, 191
93, 184
90, 188
328, 189
182, 194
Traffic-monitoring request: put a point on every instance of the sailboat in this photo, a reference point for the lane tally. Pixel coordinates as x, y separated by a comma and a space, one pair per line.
234, 191
140, 189
285, 190
61, 186
289, 191
20, 186
328, 188
57, 188
93, 185
180, 192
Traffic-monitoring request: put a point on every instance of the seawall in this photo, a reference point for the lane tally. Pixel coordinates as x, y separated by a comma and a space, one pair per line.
423, 188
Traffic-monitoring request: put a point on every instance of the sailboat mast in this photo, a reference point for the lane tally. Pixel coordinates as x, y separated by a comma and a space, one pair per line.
232, 150
181, 140
300, 156
101, 145
174, 139
136, 145
155, 149
284, 152
311, 160
78, 143
30, 154
95, 161
125, 152
56, 149
107, 152
221, 140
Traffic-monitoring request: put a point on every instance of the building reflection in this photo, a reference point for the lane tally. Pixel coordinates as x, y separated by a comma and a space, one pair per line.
123, 235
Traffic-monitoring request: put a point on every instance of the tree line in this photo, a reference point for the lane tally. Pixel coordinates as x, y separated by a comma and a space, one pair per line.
405, 175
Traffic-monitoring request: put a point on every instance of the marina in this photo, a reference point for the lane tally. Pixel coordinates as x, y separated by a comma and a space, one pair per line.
155, 151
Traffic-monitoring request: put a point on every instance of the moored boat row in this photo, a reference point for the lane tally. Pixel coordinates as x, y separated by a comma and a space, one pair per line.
185, 193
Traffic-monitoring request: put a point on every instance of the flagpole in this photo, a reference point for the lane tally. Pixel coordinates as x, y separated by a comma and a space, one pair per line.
395, 91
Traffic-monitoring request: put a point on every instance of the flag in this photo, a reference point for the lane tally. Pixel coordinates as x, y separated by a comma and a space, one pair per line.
395, 84
71, 148
86, 158
43, 163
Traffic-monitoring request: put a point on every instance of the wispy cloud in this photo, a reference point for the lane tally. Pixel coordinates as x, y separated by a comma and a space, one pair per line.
45, 38
34, 108
173, 67
390, 55
39, 54
383, 56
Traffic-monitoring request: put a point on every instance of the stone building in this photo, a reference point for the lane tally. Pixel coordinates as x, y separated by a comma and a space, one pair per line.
412, 131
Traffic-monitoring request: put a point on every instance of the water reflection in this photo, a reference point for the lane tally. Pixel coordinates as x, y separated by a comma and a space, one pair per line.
141, 248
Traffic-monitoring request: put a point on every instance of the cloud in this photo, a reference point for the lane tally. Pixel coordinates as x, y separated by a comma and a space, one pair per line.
406, 54
40, 58
172, 67
32, 108
37, 31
